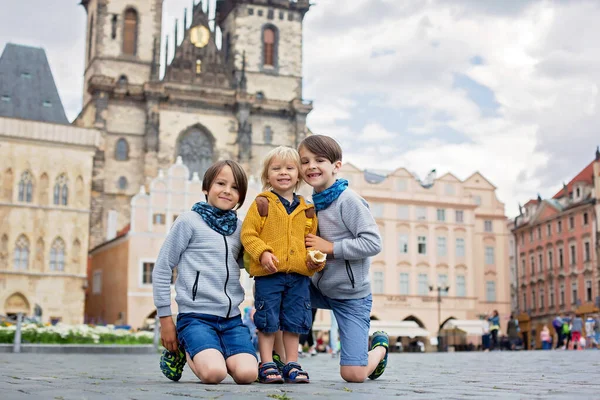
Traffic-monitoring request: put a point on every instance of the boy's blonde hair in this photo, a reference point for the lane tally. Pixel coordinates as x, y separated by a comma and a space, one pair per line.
285, 154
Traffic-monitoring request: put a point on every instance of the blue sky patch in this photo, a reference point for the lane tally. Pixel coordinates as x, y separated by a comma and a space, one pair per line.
479, 94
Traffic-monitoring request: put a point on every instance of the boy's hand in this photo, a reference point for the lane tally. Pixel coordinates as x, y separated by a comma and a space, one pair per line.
317, 243
168, 334
269, 262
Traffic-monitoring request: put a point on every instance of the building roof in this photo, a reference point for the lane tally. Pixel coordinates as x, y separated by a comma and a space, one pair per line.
27, 88
586, 175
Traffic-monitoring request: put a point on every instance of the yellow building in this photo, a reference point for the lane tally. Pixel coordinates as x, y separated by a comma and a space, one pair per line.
46, 171
444, 232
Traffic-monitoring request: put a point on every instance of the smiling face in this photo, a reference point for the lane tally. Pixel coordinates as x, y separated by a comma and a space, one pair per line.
282, 175
223, 192
317, 170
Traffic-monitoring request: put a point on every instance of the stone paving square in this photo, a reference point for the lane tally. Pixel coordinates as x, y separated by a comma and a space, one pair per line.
498, 375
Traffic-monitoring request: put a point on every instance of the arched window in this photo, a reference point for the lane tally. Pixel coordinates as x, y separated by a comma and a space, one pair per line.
122, 150
196, 148
61, 191
21, 255
269, 40
26, 187
57, 255
268, 136
122, 183
130, 32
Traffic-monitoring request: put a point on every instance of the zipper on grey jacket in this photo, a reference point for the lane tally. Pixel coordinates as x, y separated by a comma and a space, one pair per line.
227, 269
350, 273
195, 287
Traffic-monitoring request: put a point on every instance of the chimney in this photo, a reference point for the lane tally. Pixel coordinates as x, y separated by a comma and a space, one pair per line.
111, 225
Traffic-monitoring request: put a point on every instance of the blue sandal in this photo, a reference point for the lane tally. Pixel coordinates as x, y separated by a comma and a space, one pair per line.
269, 369
296, 376
380, 338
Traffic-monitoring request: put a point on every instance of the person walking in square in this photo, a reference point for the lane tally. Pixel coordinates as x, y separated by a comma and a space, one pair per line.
273, 234
348, 234
204, 244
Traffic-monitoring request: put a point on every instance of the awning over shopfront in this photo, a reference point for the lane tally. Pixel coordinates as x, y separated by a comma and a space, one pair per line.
470, 327
399, 328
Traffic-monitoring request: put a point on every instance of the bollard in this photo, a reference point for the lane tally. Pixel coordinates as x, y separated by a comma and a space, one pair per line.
156, 332
17, 341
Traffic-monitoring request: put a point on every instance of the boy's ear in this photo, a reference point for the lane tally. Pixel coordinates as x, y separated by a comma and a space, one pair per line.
336, 166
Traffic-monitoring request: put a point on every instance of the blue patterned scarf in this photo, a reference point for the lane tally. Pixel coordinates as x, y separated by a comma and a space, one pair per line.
326, 197
223, 222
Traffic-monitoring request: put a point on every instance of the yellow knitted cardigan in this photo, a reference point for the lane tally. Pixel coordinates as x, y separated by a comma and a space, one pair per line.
280, 233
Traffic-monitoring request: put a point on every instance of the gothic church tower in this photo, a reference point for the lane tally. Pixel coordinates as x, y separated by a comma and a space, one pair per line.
235, 98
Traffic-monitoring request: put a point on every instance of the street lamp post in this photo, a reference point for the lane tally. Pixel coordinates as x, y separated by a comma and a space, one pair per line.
442, 287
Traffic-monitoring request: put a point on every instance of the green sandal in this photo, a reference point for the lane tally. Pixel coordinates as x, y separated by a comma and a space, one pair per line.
380, 338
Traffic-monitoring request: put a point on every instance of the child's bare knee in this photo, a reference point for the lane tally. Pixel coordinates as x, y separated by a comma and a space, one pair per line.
354, 375
211, 374
245, 375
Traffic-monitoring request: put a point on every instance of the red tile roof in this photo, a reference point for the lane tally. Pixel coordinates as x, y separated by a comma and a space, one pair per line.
532, 201
123, 231
586, 175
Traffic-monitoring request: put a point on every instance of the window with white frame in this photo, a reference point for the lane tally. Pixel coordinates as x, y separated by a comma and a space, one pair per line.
422, 244
549, 230
551, 296
376, 209
532, 258
423, 285
588, 290
559, 226
97, 282
421, 213
460, 247
57, 255
573, 292
541, 262
21, 253
533, 299
450, 189
477, 200
147, 269
441, 214
404, 283
461, 289
487, 226
441, 246
459, 216
539, 232
571, 223
378, 282
403, 213
542, 298
585, 218
490, 291
550, 260
403, 243
562, 294
586, 251
561, 261
489, 255
158, 219
573, 255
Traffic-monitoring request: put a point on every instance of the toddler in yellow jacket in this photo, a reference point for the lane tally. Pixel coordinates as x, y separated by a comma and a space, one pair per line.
273, 235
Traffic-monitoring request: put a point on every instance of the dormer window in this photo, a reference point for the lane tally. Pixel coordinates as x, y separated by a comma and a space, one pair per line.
47, 103
25, 75
6, 98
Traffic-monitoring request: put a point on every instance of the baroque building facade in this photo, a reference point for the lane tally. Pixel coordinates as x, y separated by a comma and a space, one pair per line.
443, 233
236, 98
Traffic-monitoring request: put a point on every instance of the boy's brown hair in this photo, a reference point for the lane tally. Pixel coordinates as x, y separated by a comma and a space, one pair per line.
239, 176
322, 146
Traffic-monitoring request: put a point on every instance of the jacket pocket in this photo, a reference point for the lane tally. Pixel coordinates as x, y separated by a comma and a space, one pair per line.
350, 273
195, 287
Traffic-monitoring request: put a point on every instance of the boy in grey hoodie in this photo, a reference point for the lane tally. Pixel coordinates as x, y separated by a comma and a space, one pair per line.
205, 246
348, 234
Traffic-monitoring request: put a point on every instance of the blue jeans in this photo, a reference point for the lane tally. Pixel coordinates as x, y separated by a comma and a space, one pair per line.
197, 332
354, 320
282, 302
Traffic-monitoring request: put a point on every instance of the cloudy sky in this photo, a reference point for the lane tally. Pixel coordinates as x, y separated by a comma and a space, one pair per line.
505, 87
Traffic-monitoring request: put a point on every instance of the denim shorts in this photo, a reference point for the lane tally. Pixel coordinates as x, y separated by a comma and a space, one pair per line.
198, 332
354, 320
282, 302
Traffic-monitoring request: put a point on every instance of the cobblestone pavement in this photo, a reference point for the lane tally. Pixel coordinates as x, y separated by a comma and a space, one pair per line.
505, 375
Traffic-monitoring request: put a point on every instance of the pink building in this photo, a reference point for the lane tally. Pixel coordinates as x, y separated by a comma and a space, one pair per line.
556, 246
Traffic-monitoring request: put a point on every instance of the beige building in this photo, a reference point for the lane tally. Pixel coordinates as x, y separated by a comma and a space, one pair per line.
120, 275
46, 172
445, 232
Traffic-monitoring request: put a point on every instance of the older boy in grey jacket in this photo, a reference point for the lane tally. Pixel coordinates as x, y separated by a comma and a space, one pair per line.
348, 234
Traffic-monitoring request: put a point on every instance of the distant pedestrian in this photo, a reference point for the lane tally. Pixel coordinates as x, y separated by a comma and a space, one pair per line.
590, 332
576, 329
494, 320
546, 338
557, 324
512, 330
